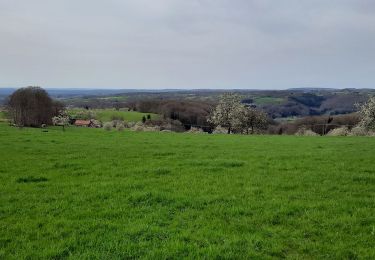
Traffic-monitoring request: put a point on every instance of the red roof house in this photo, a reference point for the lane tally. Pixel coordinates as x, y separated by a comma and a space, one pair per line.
86, 123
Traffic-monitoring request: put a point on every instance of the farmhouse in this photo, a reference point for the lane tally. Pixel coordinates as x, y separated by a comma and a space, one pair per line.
85, 123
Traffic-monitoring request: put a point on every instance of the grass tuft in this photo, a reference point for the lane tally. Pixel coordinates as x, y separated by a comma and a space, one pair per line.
31, 179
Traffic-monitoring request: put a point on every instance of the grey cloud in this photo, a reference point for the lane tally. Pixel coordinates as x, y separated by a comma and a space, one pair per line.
187, 44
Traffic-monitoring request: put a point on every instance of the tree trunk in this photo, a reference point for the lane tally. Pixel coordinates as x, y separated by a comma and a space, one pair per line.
228, 130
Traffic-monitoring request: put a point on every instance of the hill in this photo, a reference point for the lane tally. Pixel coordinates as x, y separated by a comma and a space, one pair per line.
105, 115
278, 104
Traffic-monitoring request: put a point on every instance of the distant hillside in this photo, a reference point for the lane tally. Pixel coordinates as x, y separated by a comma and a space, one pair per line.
294, 102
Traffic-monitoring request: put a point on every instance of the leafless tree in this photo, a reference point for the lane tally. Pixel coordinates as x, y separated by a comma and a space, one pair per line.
32, 106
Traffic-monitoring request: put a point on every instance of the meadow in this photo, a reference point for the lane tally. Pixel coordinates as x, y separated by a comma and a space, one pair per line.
106, 115
87, 193
267, 100
2, 116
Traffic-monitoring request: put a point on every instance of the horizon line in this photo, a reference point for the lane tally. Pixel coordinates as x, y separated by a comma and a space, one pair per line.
188, 89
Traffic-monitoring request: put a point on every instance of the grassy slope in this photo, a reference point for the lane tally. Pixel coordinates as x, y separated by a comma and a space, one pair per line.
105, 115
268, 100
90, 193
3, 116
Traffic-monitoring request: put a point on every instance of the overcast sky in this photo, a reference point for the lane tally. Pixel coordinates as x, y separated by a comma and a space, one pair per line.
263, 44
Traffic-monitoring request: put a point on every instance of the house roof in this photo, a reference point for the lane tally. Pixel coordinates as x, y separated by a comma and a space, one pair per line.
82, 122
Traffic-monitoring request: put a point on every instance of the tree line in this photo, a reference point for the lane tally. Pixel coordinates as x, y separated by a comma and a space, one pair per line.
32, 106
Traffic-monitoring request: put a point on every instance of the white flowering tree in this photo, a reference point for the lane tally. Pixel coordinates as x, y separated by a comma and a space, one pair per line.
250, 119
226, 112
61, 120
367, 113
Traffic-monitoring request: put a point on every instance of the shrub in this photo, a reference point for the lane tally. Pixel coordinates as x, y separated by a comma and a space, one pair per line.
137, 128
153, 129
131, 124
96, 123
310, 133
341, 131
140, 128
302, 131
120, 127
107, 126
220, 130
157, 125
195, 130
319, 124
117, 122
358, 131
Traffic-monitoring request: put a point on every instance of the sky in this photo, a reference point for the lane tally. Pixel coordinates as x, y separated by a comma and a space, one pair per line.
159, 44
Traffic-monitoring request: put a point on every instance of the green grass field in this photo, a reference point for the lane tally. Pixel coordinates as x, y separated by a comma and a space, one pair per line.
268, 100
87, 193
106, 115
3, 116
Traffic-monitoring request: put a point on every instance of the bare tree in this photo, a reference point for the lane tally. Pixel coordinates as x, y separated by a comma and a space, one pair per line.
31, 106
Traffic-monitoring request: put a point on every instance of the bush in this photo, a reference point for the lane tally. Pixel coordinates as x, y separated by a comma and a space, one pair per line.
157, 125
131, 124
220, 130
196, 130
319, 124
358, 131
341, 131
107, 126
143, 128
117, 122
96, 123
310, 133
137, 128
305, 132
120, 127
152, 129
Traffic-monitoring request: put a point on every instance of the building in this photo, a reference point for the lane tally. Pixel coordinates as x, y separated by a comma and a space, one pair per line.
87, 123
84, 123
